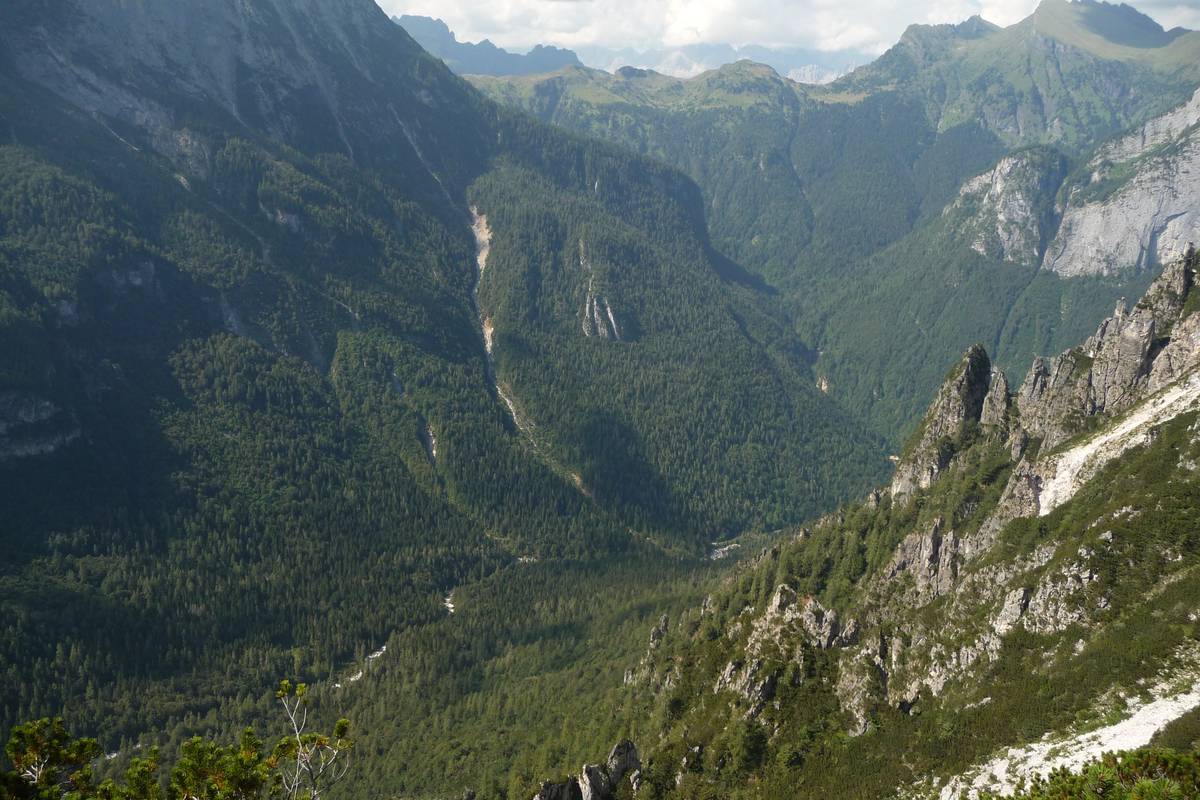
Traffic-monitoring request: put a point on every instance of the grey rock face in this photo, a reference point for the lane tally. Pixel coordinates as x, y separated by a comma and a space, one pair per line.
1166, 297
1053, 395
1116, 223
1132, 352
750, 681
1015, 603
931, 558
959, 403
1121, 359
996, 405
819, 626
597, 781
1180, 354
33, 426
1004, 207
1156, 132
623, 760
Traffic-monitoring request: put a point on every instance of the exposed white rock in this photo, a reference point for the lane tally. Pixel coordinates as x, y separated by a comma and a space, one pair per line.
1157, 131
1066, 472
1152, 214
1001, 774
1004, 207
598, 317
483, 239
720, 551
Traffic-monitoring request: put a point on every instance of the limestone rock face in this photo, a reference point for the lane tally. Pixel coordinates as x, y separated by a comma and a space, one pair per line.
1052, 396
1132, 352
1015, 603
750, 681
1140, 369
959, 404
1166, 297
996, 405
1004, 206
32, 426
1114, 223
623, 760
1180, 354
1121, 359
930, 557
597, 781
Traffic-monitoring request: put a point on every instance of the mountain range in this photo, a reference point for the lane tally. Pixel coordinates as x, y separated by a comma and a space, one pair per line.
485, 58
482, 58
437, 394
954, 191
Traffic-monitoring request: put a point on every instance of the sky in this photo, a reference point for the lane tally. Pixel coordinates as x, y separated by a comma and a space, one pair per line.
831, 25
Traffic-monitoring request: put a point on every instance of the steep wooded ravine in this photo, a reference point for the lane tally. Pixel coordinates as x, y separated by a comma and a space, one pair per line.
913, 207
247, 426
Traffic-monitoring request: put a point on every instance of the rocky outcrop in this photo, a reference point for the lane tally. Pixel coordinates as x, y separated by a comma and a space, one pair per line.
789, 626
958, 405
1158, 131
1139, 206
931, 559
598, 781
995, 414
1140, 369
1004, 208
598, 317
33, 426
1133, 352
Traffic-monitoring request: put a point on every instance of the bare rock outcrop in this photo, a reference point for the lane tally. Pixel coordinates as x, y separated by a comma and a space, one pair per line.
1004, 206
930, 557
958, 405
598, 781
31, 425
1139, 370
1140, 204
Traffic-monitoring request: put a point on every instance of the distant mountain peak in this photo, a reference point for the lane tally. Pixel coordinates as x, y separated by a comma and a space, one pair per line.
483, 58
1117, 24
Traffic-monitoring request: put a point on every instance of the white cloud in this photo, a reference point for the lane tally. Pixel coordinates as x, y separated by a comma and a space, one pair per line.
871, 25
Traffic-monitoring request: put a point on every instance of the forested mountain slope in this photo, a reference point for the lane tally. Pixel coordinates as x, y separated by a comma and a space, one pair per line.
1027, 581
858, 200
249, 426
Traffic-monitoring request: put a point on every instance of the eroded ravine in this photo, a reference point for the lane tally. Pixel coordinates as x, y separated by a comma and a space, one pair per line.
483, 248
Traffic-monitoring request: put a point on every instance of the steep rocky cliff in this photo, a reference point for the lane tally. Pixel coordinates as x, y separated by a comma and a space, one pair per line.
1003, 212
958, 406
1008, 561
1137, 204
